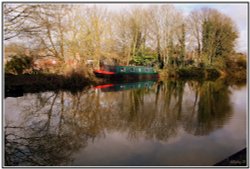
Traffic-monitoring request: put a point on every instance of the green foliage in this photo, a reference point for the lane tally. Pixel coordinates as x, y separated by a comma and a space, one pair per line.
18, 64
144, 60
207, 40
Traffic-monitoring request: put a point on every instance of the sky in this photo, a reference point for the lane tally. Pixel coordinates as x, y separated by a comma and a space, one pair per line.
237, 11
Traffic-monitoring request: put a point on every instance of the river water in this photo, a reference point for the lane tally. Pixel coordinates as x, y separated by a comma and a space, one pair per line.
170, 123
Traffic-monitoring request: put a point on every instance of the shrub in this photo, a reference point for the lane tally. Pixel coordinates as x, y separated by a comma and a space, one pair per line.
241, 62
212, 73
191, 72
236, 63
144, 60
18, 64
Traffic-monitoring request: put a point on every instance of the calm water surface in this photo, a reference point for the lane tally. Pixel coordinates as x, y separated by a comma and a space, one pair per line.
171, 123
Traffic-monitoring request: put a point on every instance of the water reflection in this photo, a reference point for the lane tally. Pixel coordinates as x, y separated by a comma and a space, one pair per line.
125, 86
211, 108
53, 126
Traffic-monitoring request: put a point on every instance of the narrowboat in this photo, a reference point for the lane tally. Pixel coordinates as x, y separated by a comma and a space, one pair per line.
115, 87
126, 72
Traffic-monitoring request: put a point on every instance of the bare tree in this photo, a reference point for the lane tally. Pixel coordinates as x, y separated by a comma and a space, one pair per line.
84, 32
122, 37
51, 19
194, 24
165, 24
15, 19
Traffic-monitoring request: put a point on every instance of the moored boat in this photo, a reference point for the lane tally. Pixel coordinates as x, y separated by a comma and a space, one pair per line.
126, 72
115, 87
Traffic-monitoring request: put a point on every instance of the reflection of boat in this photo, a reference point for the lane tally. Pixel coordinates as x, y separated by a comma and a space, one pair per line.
125, 86
126, 72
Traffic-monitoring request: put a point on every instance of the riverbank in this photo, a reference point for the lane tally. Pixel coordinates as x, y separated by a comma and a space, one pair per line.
32, 83
233, 75
190, 73
17, 85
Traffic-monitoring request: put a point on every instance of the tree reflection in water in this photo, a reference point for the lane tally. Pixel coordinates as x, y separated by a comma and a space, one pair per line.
211, 108
55, 125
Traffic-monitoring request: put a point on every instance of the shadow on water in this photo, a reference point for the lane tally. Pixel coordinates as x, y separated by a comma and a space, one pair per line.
18, 85
54, 125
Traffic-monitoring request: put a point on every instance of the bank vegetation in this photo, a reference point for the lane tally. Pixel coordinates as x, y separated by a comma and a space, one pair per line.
66, 39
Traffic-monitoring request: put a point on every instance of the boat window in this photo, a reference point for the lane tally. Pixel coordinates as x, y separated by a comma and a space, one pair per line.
146, 69
122, 69
132, 69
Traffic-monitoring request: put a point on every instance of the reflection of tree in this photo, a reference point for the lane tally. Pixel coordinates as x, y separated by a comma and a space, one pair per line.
158, 119
42, 149
213, 108
179, 89
166, 122
48, 137
55, 125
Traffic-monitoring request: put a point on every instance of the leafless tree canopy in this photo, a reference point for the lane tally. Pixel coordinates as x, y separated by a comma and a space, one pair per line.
159, 33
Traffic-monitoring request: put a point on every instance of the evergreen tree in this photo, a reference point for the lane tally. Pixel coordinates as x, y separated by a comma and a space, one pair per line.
182, 43
171, 51
218, 36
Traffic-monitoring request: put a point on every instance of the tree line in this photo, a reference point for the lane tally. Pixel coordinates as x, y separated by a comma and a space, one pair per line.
156, 35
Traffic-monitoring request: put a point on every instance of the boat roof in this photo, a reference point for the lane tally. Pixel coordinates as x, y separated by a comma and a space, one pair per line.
136, 66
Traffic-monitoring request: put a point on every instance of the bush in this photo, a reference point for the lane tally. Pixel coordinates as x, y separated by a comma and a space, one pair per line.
144, 60
219, 63
191, 72
241, 62
236, 64
196, 72
212, 73
18, 64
